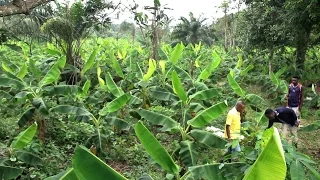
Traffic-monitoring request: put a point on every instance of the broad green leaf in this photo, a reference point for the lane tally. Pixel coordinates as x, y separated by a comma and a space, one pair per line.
9, 82
52, 76
115, 64
177, 87
86, 87
255, 99
6, 68
176, 53
245, 71
274, 79
70, 110
25, 137
240, 61
208, 139
22, 94
115, 104
64, 90
87, 166
166, 122
26, 116
23, 72
312, 169
90, 61
214, 172
271, 163
39, 104
120, 124
188, 153
100, 80
311, 127
297, 170
33, 69
162, 94
61, 62
284, 86
155, 149
145, 176
208, 115
63, 176
28, 158
7, 172
235, 86
112, 86
162, 65
182, 74
281, 71
4, 94
151, 69
205, 94
69, 175
205, 74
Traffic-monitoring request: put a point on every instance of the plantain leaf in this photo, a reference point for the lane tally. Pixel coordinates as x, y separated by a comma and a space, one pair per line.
271, 163
155, 149
25, 137
159, 119
70, 110
115, 104
120, 124
115, 64
176, 53
205, 94
188, 153
151, 69
87, 166
9, 82
245, 71
213, 171
28, 158
178, 88
297, 170
90, 61
7, 172
113, 88
39, 104
208, 139
208, 115
86, 87
235, 86
255, 100
162, 94
26, 117
23, 72
205, 74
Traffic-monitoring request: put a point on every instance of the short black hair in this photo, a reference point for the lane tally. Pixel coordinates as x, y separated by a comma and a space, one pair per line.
297, 77
268, 112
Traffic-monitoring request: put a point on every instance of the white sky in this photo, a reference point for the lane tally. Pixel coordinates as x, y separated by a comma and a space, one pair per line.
208, 8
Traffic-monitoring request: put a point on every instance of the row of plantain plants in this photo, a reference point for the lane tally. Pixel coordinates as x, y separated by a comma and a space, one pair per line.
121, 100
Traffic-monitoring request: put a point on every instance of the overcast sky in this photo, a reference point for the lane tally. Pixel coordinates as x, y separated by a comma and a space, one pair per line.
208, 8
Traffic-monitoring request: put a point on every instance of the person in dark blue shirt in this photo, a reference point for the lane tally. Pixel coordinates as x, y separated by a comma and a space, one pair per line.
289, 121
295, 95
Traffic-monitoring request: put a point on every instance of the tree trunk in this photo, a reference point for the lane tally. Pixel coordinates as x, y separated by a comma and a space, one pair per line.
154, 39
303, 39
20, 7
225, 30
270, 59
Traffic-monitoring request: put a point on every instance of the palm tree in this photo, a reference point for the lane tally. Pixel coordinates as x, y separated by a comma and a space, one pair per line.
192, 31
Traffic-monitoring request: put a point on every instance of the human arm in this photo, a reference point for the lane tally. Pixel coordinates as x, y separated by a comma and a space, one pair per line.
270, 124
228, 131
301, 98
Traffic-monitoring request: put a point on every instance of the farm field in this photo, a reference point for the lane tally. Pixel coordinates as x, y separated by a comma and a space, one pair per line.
85, 100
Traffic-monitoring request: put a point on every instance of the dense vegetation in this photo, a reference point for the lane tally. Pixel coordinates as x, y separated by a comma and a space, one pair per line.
83, 98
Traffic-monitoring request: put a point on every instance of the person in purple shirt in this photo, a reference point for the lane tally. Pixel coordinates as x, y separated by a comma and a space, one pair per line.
289, 120
295, 95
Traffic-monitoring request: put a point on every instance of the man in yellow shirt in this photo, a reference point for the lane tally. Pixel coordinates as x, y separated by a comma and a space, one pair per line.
233, 125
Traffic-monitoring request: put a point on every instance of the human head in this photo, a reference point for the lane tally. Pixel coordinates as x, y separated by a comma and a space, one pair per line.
295, 80
240, 106
270, 114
